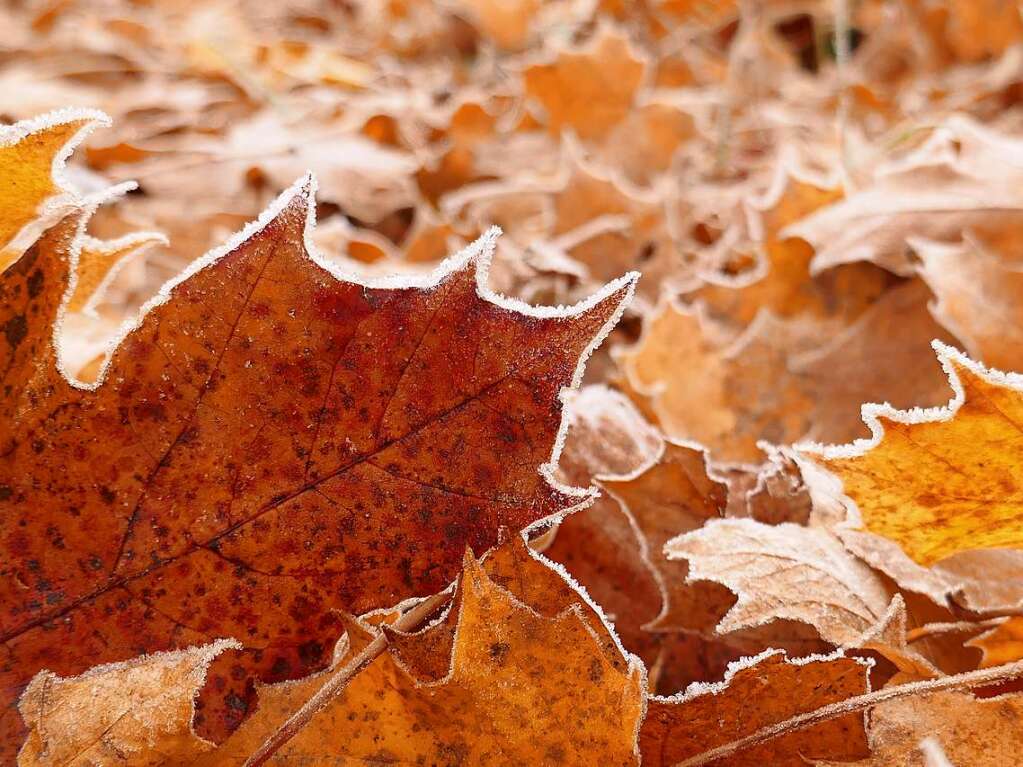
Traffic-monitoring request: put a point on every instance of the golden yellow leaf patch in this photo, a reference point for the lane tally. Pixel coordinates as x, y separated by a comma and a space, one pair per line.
30, 153
945, 480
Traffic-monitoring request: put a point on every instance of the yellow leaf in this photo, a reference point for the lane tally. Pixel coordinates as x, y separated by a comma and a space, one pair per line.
944, 480
32, 154
1002, 644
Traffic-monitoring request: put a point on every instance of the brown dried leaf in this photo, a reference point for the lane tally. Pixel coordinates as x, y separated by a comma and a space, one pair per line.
970, 731
755, 693
964, 177
817, 385
781, 281
673, 496
979, 297
785, 572
599, 546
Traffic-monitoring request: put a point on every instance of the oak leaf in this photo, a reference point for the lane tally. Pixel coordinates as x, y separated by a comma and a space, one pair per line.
942, 481
269, 443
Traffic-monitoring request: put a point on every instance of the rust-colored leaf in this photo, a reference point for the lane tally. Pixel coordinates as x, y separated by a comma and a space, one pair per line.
671, 497
599, 546
270, 443
755, 693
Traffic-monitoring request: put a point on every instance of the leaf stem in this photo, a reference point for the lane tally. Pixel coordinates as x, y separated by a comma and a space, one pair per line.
337, 683
857, 703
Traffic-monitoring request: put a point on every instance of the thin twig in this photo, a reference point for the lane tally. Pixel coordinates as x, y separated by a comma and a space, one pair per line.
857, 703
337, 683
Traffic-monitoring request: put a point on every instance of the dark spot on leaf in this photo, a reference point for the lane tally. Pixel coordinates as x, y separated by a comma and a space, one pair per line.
35, 283
15, 330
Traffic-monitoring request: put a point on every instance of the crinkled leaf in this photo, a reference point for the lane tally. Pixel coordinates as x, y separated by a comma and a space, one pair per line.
785, 572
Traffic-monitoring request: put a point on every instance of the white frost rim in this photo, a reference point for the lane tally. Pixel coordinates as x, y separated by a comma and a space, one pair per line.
873, 413
697, 689
136, 244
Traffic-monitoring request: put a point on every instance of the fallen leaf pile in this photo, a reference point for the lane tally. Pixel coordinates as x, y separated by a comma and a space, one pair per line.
491, 382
